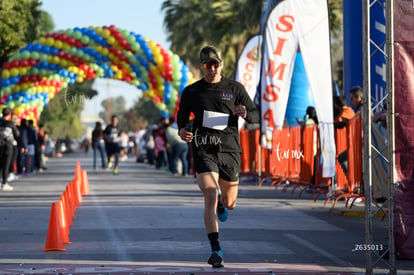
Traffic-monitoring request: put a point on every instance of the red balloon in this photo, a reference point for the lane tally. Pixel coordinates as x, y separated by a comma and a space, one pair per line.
32, 62
7, 65
71, 41
24, 63
14, 63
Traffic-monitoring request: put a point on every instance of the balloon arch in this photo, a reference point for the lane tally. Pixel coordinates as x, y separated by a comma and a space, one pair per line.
39, 71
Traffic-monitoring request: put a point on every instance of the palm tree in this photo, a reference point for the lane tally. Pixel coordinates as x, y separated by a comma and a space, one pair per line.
192, 24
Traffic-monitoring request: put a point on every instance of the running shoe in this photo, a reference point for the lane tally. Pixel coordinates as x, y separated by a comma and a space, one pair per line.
216, 259
222, 212
115, 172
6, 187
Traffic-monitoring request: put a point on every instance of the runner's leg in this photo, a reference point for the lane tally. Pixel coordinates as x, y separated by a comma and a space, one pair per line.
208, 184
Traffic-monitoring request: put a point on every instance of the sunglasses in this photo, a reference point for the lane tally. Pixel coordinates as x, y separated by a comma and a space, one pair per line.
209, 65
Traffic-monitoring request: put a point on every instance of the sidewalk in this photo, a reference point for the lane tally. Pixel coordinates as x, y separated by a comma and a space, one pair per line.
145, 221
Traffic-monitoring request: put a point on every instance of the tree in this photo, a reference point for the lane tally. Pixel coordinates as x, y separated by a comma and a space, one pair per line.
61, 116
227, 24
21, 22
112, 106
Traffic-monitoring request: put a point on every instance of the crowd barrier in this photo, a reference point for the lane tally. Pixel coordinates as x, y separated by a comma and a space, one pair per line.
294, 160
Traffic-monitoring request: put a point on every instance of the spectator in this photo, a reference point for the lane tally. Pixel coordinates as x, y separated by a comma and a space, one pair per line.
9, 134
23, 143
140, 145
344, 112
357, 96
31, 147
159, 149
179, 149
12, 171
40, 149
98, 144
150, 144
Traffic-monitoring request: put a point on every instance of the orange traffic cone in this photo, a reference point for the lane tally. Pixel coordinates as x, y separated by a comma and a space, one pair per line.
68, 208
72, 203
85, 183
75, 192
54, 241
78, 170
64, 228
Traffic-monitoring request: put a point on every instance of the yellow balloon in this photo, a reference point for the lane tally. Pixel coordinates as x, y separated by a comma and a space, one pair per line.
106, 33
158, 59
14, 72
19, 110
66, 47
50, 41
5, 73
58, 44
111, 40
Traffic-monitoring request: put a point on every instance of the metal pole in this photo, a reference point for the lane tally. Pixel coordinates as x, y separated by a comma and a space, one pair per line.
391, 133
366, 126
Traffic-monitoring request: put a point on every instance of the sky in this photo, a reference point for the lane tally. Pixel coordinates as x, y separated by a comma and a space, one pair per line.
139, 16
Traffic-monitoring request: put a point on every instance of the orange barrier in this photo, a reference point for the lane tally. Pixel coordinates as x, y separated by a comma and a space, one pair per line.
245, 156
295, 158
63, 212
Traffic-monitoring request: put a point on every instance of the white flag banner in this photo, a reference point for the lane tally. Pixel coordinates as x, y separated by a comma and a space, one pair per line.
295, 25
248, 67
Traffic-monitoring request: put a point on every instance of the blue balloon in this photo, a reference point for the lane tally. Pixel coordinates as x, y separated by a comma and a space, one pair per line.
165, 114
5, 82
37, 47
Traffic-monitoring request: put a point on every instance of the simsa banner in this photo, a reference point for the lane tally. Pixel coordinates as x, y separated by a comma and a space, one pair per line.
291, 27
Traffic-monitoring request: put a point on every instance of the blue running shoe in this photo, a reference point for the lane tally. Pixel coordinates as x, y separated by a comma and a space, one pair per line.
222, 212
216, 259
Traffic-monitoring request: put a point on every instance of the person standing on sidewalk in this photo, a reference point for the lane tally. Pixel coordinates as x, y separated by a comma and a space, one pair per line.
9, 134
179, 149
217, 103
98, 144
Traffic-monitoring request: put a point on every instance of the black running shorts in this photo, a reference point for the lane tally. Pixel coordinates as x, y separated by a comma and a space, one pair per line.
226, 164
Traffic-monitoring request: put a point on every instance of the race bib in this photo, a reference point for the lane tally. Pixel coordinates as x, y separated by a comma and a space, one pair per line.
215, 120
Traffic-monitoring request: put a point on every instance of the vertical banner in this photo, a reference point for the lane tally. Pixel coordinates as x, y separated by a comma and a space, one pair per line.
404, 126
290, 26
248, 67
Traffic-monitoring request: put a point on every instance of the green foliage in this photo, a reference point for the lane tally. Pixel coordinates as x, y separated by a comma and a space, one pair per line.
62, 116
21, 22
113, 106
226, 24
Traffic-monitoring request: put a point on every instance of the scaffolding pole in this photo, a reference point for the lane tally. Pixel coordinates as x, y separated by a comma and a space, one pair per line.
373, 257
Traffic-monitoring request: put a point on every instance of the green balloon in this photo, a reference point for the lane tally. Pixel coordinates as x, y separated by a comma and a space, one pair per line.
43, 57
85, 39
77, 34
34, 55
25, 54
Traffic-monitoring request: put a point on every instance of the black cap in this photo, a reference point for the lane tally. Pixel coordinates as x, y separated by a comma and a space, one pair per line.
209, 54
6, 111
